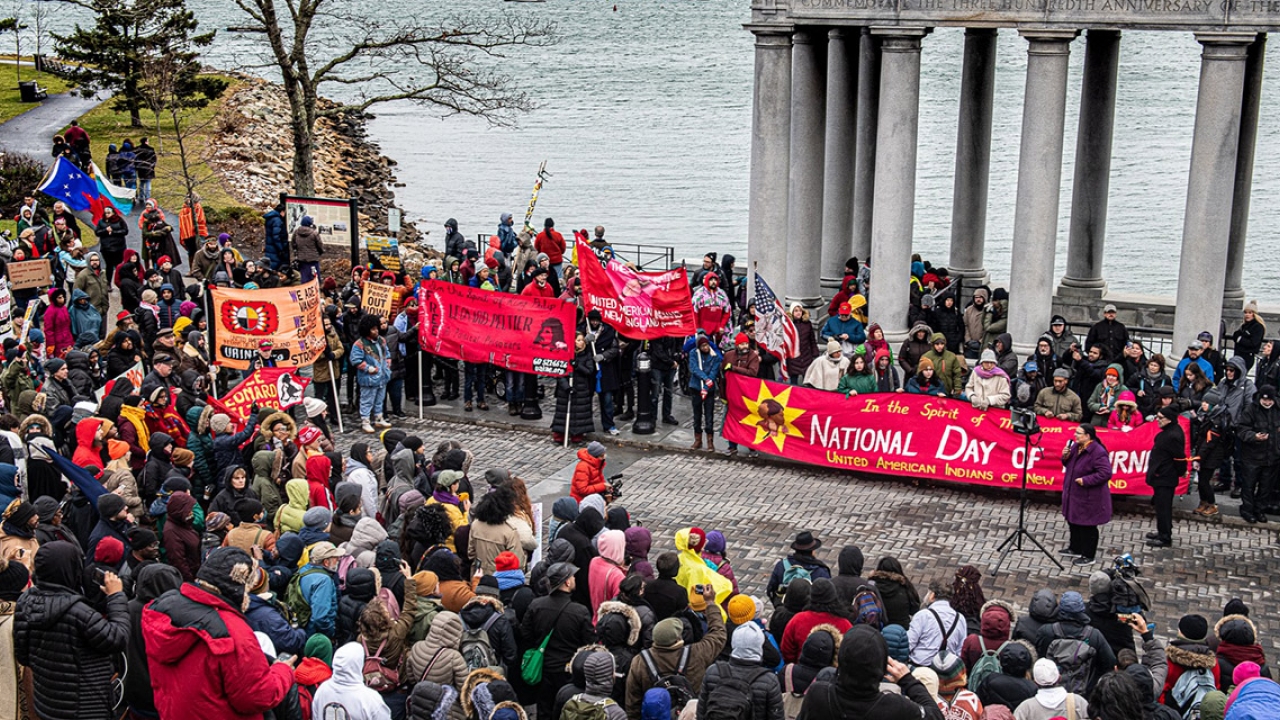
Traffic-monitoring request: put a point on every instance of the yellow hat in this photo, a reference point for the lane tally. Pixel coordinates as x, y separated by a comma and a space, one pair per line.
742, 609
180, 327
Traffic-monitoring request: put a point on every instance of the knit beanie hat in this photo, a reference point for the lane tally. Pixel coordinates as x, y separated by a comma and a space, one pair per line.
309, 434
142, 538
1193, 627
14, 578
1235, 606
1099, 582
742, 609
317, 518
110, 505
1045, 673
506, 561
928, 678
1244, 671
215, 521
697, 603
183, 457
109, 551
668, 634
595, 449
20, 513
488, 585
46, 507
833, 347
117, 449
319, 647
219, 423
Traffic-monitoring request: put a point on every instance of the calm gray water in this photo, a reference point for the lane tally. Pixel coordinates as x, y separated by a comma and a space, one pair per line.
645, 117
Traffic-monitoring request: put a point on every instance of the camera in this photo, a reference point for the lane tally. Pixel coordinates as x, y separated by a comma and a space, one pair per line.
700, 589
615, 485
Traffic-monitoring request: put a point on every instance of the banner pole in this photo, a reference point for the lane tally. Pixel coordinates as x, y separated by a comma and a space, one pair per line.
421, 383
568, 407
333, 386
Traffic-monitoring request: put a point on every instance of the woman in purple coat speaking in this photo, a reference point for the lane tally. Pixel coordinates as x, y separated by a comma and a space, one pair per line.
1086, 493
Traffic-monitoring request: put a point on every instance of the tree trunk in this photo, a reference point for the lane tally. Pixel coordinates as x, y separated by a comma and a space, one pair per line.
303, 126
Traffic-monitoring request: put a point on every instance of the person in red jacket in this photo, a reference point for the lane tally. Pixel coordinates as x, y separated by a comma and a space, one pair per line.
319, 468
824, 608
205, 661
540, 287
588, 476
552, 243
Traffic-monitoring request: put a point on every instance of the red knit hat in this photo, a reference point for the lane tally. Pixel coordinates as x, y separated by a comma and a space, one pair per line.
308, 435
741, 339
506, 561
110, 551
697, 539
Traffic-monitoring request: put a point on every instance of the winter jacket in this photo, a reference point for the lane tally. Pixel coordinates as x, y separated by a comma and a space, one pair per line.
947, 366
995, 627
179, 539
277, 239
1010, 687
1237, 643
68, 645
263, 483
588, 476
901, 601
1051, 403
766, 694
608, 569
913, 348
817, 570
1167, 462
701, 656
266, 615
992, 391
346, 689
364, 541
439, 652
864, 659
1104, 660
289, 516
226, 448
366, 355
205, 661
1090, 503
574, 396
502, 635
835, 327
306, 240
150, 582
551, 242
96, 287
571, 621
1112, 335
320, 590
802, 625
1257, 420
1042, 611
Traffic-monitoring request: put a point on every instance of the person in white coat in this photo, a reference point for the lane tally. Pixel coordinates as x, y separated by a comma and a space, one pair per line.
359, 470
988, 385
346, 690
824, 373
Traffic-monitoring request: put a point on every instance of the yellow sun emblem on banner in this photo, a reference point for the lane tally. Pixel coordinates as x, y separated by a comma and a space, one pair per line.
771, 417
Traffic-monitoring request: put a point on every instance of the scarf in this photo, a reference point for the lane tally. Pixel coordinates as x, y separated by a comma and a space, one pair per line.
444, 497
704, 298
508, 579
988, 374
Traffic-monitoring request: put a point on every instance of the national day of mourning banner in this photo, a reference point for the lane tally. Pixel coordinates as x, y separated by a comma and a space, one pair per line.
920, 436
288, 317
640, 305
520, 333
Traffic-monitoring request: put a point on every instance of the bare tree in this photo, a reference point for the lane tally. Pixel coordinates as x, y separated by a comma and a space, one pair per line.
314, 43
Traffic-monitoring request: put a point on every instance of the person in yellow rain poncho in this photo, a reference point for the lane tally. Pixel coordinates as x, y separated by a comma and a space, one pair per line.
694, 570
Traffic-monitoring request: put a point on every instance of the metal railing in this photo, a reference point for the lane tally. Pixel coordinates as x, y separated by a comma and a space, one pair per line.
655, 258
1154, 340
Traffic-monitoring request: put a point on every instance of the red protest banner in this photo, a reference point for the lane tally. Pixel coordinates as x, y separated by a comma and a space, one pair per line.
517, 332
279, 388
919, 436
640, 305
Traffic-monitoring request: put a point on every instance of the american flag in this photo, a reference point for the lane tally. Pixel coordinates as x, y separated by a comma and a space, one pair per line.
774, 330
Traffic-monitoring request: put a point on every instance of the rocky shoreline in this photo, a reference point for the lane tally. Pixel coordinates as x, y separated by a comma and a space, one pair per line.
254, 159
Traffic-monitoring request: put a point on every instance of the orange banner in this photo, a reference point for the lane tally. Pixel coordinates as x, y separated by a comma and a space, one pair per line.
287, 317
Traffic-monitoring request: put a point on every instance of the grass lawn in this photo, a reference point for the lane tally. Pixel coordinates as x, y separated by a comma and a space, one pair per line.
10, 104
106, 126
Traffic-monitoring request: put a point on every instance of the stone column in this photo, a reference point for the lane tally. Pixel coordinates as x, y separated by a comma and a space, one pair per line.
1092, 181
1233, 296
1202, 269
837, 174
1035, 219
973, 161
770, 156
803, 241
864, 183
893, 206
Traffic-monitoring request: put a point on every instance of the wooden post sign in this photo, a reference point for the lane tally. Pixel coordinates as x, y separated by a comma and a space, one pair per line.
30, 274
377, 299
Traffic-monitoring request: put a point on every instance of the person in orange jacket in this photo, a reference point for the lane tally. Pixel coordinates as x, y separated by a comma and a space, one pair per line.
588, 476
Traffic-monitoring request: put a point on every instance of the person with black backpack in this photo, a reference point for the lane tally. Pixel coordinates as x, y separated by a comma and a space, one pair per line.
1079, 650
855, 694
740, 689
671, 664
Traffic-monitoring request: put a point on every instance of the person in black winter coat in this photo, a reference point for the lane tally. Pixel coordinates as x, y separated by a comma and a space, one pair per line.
947, 319
571, 622
151, 582
113, 521
69, 646
1013, 683
795, 600
864, 663
579, 534
502, 636
574, 393
667, 597
1166, 465
618, 628
817, 654
848, 579
1042, 611
1259, 434
361, 587
234, 487
159, 465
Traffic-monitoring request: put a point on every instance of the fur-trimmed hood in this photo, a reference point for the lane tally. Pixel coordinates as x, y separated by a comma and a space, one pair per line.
836, 637
998, 625
265, 428
202, 424
612, 607
885, 575
1191, 654
36, 420
474, 680
507, 704
1015, 665
1236, 630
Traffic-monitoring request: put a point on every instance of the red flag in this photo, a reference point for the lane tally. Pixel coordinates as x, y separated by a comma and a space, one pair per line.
640, 305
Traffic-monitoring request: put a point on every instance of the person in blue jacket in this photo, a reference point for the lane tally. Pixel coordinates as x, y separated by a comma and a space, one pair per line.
845, 329
319, 585
371, 361
277, 241
704, 371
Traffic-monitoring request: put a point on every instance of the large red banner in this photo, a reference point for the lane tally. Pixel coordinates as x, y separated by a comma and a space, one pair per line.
517, 332
640, 305
279, 388
920, 436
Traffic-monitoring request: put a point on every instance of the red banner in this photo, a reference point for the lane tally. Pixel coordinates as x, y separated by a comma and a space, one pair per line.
920, 436
517, 332
279, 388
640, 305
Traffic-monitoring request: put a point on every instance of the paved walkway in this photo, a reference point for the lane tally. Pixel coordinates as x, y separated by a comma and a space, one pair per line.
31, 133
931, 530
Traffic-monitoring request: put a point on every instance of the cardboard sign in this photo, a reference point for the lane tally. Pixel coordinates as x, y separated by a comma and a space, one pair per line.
377, 299
30, 274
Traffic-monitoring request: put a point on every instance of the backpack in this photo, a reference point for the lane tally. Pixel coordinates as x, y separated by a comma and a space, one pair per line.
676, 685
1074, 658
1190, 689
389, 600
731, 698
377, 676
579, 708
867, 609
476, 647
344, 566
793, 572
296, 601
988, 664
